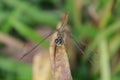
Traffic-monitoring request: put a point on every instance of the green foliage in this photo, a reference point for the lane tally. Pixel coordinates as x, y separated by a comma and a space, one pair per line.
11, 70
24, 15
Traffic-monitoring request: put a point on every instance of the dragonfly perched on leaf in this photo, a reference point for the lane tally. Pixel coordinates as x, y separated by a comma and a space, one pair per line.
60, 40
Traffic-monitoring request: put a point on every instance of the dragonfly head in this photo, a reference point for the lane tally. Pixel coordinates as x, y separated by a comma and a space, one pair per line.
59, 41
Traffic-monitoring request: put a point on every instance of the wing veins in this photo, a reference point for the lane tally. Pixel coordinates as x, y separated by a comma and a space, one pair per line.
37, 45
76, 43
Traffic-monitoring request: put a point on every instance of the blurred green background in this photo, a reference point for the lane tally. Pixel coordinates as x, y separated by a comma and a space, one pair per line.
93, 22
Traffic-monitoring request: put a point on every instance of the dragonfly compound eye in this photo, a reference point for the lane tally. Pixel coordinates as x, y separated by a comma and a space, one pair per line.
59, 41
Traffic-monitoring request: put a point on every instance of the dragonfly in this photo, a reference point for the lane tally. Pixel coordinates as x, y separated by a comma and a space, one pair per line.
59, 41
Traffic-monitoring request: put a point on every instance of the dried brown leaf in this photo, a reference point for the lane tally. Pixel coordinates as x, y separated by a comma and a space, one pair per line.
41, 67
59, 60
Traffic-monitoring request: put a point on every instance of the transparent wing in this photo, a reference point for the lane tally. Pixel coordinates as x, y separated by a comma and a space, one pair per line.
77, 44
25, 54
